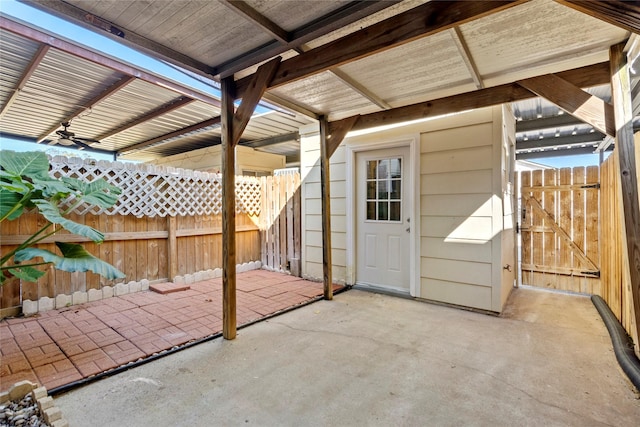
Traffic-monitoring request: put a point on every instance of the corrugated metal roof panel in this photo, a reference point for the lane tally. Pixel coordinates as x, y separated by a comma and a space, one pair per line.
535, 34
49, 96
324, 92
412, 70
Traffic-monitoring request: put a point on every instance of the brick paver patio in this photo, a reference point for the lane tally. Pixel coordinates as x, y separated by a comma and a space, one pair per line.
58, 347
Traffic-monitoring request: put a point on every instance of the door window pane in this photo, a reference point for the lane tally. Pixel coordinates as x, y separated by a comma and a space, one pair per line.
384, 190
394, 211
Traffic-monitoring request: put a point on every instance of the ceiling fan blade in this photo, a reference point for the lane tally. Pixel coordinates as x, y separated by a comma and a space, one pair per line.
80, 143
86, 140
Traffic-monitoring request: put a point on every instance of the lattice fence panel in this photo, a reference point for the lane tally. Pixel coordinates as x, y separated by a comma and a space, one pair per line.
158, 191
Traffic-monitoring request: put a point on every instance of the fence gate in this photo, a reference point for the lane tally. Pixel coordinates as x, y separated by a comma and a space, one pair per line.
560, 229
281, 223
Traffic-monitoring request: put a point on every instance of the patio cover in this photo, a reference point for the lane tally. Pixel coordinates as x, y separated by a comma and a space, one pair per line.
360, 64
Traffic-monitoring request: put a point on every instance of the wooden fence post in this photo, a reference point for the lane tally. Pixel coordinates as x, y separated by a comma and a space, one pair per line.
172, 247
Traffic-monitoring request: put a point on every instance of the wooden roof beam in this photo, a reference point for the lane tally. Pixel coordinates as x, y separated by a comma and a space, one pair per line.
284, 37
588, 76
215, 121
421, 21
162, 110
259, 83
348, 14
623, 14
465, 53
260, 20
93, 101
28, 72
575, 101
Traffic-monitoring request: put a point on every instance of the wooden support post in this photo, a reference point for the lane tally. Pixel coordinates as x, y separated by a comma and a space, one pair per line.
621, 97
325, 184
172, 247
228, 212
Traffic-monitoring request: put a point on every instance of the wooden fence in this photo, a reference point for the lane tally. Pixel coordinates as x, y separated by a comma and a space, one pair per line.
281, 223
616, 280
167, 223
152, 248
560, 229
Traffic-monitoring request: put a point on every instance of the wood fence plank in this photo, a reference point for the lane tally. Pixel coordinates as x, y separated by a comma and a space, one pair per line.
537, 249
130, 247
592, 214
290, 219
282, 214
142, 255
565, 217
263, 221
577, 233
118, 252
92, 279
297, 229
525, 225
549, 239
153, 248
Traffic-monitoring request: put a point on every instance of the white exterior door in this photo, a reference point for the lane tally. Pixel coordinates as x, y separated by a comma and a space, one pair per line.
383, 218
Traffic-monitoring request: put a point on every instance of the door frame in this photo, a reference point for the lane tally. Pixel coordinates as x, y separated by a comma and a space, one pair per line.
355, 146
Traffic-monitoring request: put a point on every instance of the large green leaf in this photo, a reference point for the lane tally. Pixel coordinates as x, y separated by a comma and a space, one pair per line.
52, 214
98, 192
33, 164
27, 273
8, 202
74, 259
52, 187
15, 185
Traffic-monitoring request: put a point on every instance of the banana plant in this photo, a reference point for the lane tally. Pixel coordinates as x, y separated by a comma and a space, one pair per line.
25, 183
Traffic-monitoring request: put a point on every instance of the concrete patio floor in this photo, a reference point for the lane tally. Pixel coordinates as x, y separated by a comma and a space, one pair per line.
58, 347
371, 359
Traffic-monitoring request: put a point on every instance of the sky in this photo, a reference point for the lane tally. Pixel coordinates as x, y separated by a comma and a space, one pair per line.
123, 53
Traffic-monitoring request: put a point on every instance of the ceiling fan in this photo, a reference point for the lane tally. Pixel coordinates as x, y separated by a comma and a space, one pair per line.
68, 138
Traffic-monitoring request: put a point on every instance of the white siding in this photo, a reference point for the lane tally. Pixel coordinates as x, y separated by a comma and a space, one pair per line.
312, 208
457, 207
461, 180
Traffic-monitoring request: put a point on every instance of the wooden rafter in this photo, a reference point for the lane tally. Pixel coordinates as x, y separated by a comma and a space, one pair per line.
575, 101
421, 21
465, 54
259, 83
87, 105
284, 37
348, 14
592, 75
160, 111
623, 14
262, 21
621, 95
28, 72
167, 136
363, 91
